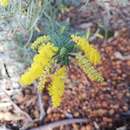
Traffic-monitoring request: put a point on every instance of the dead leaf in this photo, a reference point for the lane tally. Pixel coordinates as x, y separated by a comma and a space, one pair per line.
10, 117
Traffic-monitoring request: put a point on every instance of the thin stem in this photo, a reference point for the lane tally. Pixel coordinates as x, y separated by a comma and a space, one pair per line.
41, 106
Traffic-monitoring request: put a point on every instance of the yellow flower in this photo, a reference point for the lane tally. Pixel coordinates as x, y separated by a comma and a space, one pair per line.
42, 82
40, 41
91, 72
32, 73
56, 89
90, 52
40, 61
44, 76
4, 3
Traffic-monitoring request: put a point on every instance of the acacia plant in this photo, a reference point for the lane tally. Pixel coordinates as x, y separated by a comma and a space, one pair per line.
54, 52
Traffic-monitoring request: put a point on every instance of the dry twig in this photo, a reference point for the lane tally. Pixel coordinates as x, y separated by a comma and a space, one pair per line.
61, 123
16, 107
41, 106
121, 57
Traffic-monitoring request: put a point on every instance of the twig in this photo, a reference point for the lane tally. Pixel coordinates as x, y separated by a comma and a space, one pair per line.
94, 35
61, 123
6, 70
41, 106
18, 109
121, 57
96, 125
29, 39
29, 124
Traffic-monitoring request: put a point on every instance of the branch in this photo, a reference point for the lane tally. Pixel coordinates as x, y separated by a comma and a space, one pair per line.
17, 107
61, 123
41, 106
121, 57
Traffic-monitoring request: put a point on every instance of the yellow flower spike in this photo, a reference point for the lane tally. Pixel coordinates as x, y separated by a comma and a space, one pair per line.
91, 72
90, 52
41, 84
43, 77
39, 41
4, 3
56, 89
40, 61
32, 73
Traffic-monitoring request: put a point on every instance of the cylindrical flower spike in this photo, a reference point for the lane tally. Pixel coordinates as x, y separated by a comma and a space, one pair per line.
40, 41
90, 52
91, 72
40, 61
56, 89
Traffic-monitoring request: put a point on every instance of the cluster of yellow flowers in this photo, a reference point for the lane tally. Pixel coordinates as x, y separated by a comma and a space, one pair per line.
87, 67
91, 56
43, 62
90, 52
4, 3
40, 61
40, 69
56, 89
